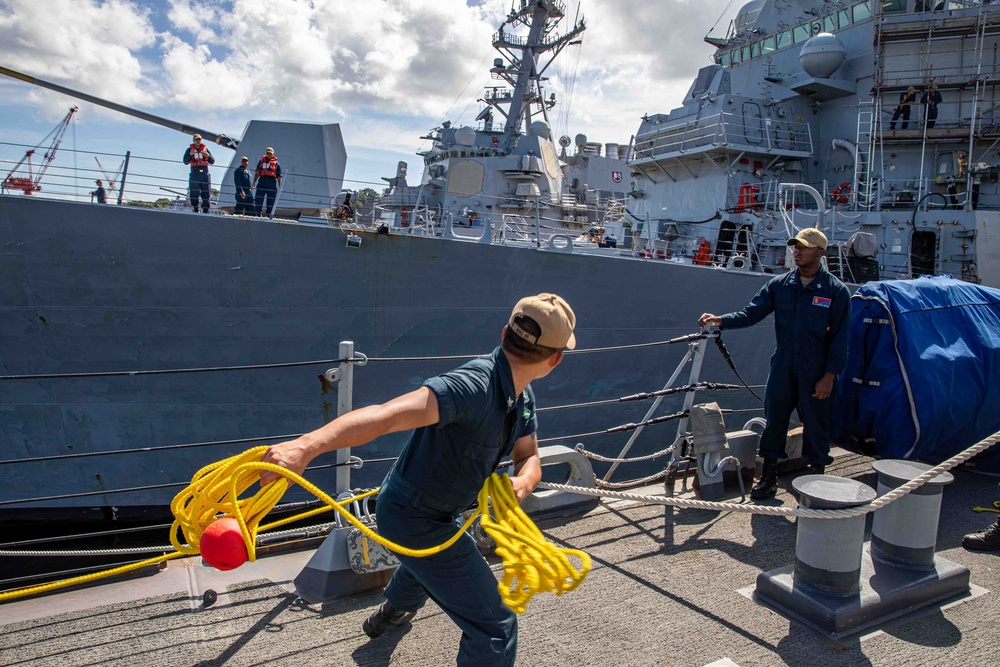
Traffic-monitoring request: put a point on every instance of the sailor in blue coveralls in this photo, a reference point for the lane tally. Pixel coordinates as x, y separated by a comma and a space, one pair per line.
244, 193
198, 157
812, 311
466, 421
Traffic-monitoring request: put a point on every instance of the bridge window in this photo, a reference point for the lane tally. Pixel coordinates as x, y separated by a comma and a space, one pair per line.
800, 33
784, 39
893, 6
830, 23
767, 46
861, 11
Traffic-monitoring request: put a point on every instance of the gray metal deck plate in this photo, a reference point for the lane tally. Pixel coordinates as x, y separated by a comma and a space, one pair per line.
662, 592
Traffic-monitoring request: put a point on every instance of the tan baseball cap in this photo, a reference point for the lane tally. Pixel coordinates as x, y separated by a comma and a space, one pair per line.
197, 137
809, 238
552, 314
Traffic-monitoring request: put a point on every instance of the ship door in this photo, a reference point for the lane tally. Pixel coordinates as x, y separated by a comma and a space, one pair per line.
923, 253
753, 124
724, 244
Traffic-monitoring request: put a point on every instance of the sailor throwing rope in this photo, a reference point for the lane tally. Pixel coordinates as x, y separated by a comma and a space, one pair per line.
464, 423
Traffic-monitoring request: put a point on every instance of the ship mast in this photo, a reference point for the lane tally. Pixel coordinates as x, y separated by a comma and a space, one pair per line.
528, 57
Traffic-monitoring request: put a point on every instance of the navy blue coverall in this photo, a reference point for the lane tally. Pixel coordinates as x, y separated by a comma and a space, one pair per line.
244, 195
811, 327
437, 476
199, 181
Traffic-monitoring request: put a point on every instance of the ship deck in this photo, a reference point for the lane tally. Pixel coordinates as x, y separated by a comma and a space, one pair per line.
668, 587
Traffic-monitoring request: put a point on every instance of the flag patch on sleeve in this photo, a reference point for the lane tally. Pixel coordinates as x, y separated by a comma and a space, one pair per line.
821, 301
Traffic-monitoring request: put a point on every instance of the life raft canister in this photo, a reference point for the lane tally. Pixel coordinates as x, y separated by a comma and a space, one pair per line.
268, 166
199, 156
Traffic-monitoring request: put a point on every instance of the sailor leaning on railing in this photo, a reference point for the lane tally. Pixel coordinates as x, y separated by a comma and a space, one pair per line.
812, 311
465, 421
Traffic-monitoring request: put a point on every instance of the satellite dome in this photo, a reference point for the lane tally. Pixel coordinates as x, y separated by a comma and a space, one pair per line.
465, 136
821, 55
581, 140
539, 128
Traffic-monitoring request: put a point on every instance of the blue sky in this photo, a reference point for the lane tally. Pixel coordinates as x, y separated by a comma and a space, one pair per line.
386, 70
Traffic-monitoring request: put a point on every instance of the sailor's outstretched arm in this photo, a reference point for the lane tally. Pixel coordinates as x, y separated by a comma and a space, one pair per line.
358, 427
527, 466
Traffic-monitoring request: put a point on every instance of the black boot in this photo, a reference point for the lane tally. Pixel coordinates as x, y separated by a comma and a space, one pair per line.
816, 469
767, 486
386, 617
984, 540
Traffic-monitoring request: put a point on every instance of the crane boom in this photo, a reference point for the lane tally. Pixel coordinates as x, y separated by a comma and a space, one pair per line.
32, 182
220, 139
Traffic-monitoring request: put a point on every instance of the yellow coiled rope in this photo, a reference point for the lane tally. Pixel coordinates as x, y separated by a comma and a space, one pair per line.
532, 565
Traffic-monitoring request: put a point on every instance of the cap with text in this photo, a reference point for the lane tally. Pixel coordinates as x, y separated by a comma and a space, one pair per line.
552, 314
809, 238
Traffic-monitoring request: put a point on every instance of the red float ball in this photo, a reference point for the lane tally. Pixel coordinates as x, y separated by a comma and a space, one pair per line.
222, 544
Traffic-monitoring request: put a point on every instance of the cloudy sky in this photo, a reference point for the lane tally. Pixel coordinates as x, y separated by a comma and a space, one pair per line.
386, 70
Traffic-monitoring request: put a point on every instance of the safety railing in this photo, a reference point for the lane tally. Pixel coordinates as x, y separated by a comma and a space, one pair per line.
733, 132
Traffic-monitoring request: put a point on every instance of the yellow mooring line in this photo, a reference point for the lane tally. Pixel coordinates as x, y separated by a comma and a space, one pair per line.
532, 565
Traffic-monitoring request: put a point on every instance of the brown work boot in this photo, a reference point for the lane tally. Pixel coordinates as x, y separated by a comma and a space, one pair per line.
767, 486
385, 618
984, 540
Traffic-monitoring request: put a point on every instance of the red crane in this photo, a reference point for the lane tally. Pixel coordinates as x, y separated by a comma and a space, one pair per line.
30, 183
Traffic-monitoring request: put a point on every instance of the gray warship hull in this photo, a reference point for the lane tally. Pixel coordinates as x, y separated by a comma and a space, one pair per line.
89, 289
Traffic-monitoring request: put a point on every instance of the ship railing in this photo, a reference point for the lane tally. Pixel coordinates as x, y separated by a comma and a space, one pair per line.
160, 183
509, 40
726, 131
951, 122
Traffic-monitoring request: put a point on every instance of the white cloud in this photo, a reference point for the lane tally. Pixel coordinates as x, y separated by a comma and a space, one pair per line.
79, 43
385, 69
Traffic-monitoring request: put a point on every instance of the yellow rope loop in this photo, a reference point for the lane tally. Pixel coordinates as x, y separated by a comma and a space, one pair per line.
532, 565
995, 508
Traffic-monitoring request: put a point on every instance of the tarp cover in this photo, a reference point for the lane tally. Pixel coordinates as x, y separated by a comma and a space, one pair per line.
922, 379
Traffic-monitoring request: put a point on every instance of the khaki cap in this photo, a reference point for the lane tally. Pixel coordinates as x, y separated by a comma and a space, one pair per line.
552, 314
196, 137
809, 238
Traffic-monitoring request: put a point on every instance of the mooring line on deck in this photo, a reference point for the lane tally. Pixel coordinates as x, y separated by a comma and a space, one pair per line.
876, 504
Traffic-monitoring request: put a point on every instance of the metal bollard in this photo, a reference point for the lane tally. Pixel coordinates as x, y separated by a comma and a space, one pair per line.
828, 551
838, 587
904, 532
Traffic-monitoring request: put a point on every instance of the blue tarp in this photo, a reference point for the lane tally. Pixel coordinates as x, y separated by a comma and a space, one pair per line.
922, 379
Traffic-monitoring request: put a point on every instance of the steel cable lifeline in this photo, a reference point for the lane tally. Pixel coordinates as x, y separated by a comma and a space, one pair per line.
532, 565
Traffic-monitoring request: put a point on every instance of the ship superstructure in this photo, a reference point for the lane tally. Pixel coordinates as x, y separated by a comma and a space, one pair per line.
507, 168
804, 92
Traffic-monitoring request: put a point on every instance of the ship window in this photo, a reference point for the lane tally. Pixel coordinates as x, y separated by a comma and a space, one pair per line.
744, 53
767, 45
784, 39
734, 57
800, 33
844, 18
892, 6
755, 50
830, 23
861, 11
